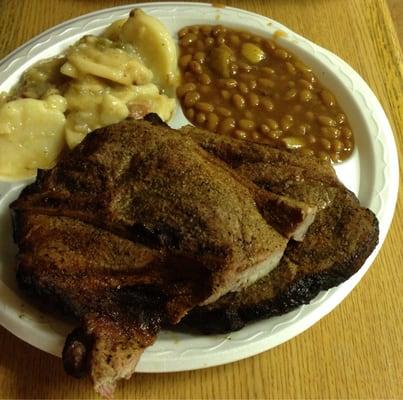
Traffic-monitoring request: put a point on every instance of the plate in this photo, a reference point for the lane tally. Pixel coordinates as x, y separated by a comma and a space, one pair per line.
371, 173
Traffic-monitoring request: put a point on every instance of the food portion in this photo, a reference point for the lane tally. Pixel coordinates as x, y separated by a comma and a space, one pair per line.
130, 71
31, 135
141, 227
247, 87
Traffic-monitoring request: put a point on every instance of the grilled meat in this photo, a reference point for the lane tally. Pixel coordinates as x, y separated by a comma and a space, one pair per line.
136, 208
336, 245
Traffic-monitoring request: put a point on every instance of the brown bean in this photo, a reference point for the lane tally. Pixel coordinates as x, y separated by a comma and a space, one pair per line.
254, 136
224, 112
346, 132
264, 128
252, 84
194, 29
246, 124
348, 145
268, 70
327, 98
305, 95
272, 123
195, 67
281, 54
238, 101
243, 76
245, 36
183, 32
220, 39
244, 66
267, 103
243, 88
188, 39
302, 67
200, 57
305, 84
183, 89
310, 115
190, 114
205, 89
185, 60
337, 145
253, 99
199, 45
218, 30
204, 79
266, 83
209, 42
269, 44
275, 134
340, 118
311, 139
291, 84
286, 122
290, 68
206, 29
200, 118
191, 98
212, 122
226, 125
248, 114
326, 121
240, 134
230, 83
297, 108
290, 94
307, 152
225, 94
326, 145
323, 156
204, 106
235, 40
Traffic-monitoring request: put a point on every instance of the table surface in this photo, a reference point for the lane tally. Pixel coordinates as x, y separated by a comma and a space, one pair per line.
354, 352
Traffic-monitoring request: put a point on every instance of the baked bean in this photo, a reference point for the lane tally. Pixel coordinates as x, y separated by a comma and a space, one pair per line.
235, 40
225, 94
346, 132
261, 80
340, 118
323, 156
268, 71
267, 103
290, 68
195, 67
264, 129
185, 60
183, 89
326, 121
212, 122
191, 98
243, 88
224, 112
190, 113
226, 125
272, 123
305, 84
240, 134
266, 83
327, 98
253, 99
326, 145
200, 57
248, 114
305, 95
252, 84
281, 54
204, 79
290, 94
230, 83
275, 134
205, 107
200, 118
188, 39
337, 145
254, 136
246, 124
183, 32
238, 101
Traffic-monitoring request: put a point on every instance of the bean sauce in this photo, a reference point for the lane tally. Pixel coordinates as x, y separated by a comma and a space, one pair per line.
248, 87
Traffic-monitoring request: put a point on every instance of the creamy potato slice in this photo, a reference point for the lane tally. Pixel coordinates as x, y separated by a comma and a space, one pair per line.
99, 56
31, 135
155, 47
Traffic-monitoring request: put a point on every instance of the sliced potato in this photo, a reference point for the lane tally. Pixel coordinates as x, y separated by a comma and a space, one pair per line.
31, 135
155, 47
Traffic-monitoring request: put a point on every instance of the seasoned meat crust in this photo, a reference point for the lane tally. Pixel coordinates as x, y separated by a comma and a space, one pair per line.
335, 246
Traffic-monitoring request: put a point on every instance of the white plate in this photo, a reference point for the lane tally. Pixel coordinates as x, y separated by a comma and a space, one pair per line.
372, 173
